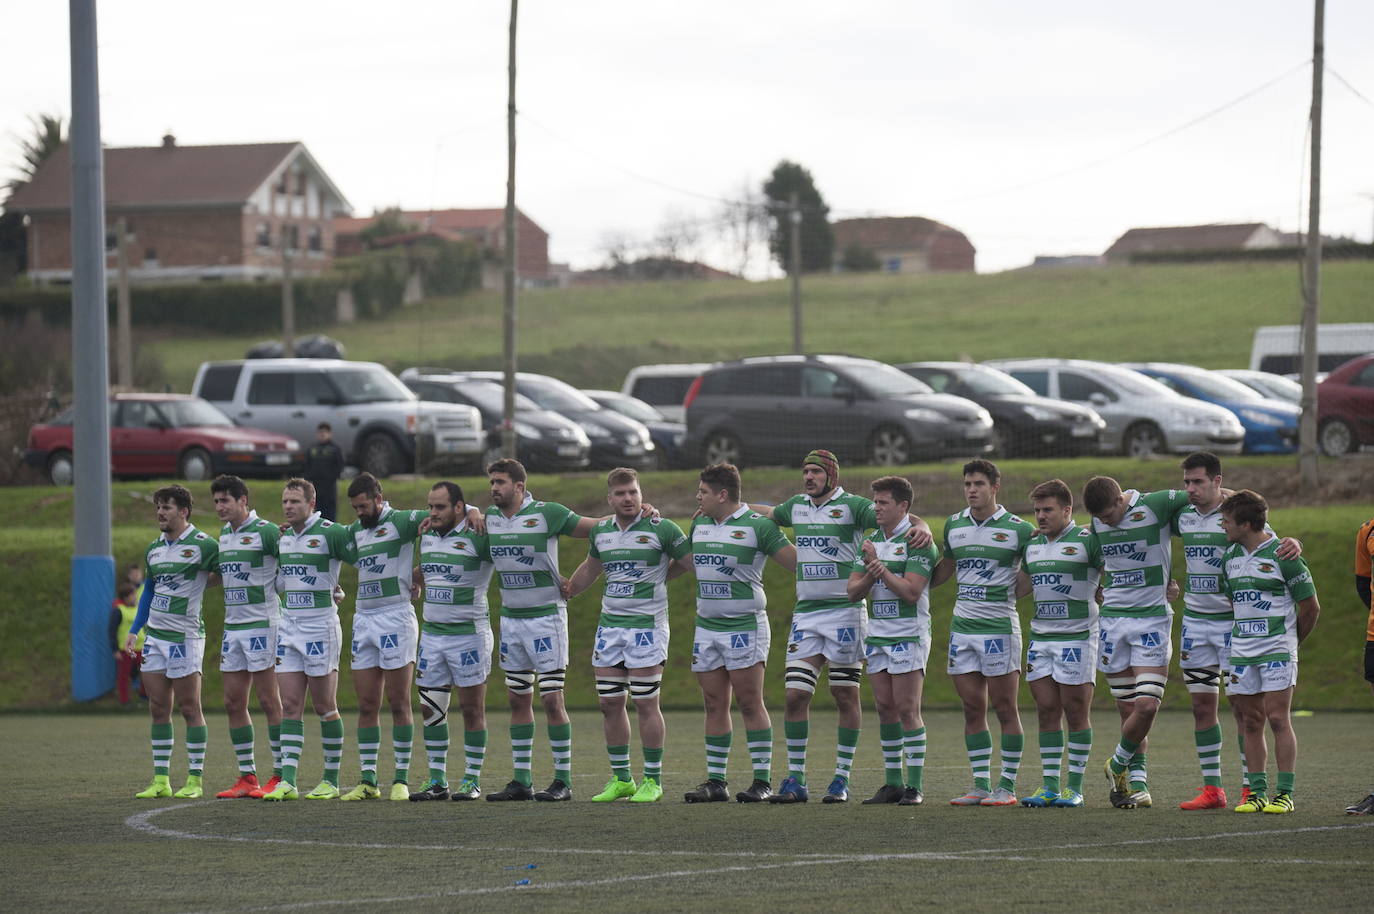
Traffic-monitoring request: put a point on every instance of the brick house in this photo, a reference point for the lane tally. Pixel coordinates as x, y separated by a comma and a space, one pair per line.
484, 227
194, 212
1243, 236
906, 244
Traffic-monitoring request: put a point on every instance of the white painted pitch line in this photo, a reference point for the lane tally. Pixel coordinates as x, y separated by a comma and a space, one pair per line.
1178, 839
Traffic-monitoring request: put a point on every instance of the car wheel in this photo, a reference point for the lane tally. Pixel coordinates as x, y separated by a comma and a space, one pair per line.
195, 465
381, 456
722, 447
60, 468
1335, 438
1144, 439
889, 447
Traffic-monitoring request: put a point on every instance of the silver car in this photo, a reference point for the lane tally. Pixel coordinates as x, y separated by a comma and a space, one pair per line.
1143, 416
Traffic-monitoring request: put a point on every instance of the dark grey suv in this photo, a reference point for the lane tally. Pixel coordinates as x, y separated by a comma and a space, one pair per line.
776, 408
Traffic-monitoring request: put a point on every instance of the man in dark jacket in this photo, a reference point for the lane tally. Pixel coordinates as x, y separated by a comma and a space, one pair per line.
324, 464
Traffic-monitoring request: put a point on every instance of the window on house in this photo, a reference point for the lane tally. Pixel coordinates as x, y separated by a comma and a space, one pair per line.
315, 239
300, 184
264, 235
282, 185
150, 257
893, 264
293, 236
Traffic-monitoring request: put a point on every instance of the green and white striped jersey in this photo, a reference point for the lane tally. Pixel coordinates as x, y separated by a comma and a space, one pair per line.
457, 569
308, 565
985, 556
891, 620
827, 538
1064, 574
384, 556
178, 571
729, 557
635, 561
1204, 544
524, 549
248, 567
1136, 556
1264, 591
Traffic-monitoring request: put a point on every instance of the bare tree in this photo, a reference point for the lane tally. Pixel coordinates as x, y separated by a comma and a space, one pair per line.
743, 222
677, 237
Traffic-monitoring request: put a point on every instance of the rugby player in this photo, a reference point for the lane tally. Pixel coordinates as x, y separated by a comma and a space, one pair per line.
385, 632
455, 640
984, 545
252, 611
897, 642
1364, 559
309, 637
730, 544
178, 566
1205, 642
638, 555
827, 626
523, 537
1275, 606
1062, 567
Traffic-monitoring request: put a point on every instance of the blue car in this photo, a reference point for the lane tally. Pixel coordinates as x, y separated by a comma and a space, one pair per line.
667, 435
1271, 426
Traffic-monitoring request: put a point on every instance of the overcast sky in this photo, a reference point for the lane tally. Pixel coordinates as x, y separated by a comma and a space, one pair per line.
1019, 123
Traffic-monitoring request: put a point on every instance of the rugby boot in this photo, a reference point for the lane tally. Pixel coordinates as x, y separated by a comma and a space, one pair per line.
1282, 802
555, 792
790, 790
615, 789
327, 790
649, 791
1363, 808
283, 791
193, 790
243, 787
364, 791
1209, 797
708, 791
888, 793
974, 797
431, 791
263, 790
157, 789
758, 791
512, 791
999, 797
911, 797
468, 789
1041, 799
1254, 803
837, 792
400, 791
1068, 799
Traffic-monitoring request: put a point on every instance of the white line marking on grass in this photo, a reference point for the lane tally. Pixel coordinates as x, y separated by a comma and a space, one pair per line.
1172, 839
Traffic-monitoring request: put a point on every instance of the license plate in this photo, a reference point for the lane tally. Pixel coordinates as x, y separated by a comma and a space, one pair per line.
568, 450
975, 431
634, 450
1083, 431
277, 460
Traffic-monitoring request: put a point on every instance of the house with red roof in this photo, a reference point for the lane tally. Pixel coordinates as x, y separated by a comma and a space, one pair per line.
1178, 238
192, 212
905, 244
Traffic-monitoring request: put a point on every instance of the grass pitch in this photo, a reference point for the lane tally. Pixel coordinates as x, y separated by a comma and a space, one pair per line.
76, 839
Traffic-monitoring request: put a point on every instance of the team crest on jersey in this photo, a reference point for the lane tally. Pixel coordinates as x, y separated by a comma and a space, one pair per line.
836, 512
643, 539
245, 541
1000, 537
900, 550
460, 545
380, 531
312, 543
1265, 567
1070, 550
1137, 515
737, 535
531, 522
187, 553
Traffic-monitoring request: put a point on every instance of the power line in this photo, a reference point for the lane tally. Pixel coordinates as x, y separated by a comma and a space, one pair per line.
1345, 82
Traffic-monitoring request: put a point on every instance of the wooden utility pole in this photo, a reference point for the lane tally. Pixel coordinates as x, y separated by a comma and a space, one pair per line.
288, 297
508, 312
1311, 286
124, 342
795, 217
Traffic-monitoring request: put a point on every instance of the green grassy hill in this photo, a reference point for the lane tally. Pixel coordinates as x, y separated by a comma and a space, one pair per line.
590, 336
34, 608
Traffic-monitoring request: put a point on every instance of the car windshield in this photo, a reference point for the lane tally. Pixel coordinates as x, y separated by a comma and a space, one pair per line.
631, 406
1275, 386
993, 383
369, 385
192, 414
883, 380
492, 397
557, 396
1133, 382
1219, 387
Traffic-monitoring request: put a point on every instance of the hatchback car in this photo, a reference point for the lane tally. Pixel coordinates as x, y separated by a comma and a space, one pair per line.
664, 387
668, 436
167, 435
1143, 417
1267, 385
774, 409
544, 441
1271, 426
1345, 408
1024, 424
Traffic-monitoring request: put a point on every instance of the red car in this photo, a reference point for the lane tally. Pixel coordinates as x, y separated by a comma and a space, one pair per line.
1345, 408
167, 435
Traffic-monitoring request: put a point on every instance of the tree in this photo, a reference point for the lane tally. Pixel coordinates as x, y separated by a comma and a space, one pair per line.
743, 221
47, 136
859, 259
817, 241
385, 224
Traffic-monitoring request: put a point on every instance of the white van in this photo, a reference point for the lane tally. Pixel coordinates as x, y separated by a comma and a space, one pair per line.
664, 387
1278, 350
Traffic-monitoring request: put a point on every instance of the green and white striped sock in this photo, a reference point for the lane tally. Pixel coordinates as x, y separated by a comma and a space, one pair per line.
846, 744
475, 752
718, 755
653, 763
1209, 754
1013, 744
979, 748
914, 743
369, 745
292, 744
163, 739
402, 740
331, 747
436, 751
1080, 747
560, 744
1051, 758
522, 751
620, 761
796, 733
274, 740
196, 738
242, 740
761, 752
890, 740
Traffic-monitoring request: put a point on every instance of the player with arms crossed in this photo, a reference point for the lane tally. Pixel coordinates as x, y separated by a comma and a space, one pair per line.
455, 640
730, 544
897, 643
178, 566
252, 611
1276, 608
1062, 567
309, 555
984, 545
638, 555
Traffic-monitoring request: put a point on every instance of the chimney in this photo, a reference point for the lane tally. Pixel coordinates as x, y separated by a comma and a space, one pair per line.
169, 141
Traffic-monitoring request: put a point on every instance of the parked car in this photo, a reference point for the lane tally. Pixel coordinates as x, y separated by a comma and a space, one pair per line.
1266, 384
1024, 424
1271, 426
664, 387
313, 346
617, 441
544, 440
378, 423
776, 408
167, 435
1345, 408
668, 436
1143, 416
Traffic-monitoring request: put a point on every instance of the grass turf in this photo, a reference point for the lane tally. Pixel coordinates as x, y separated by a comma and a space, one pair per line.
80, 841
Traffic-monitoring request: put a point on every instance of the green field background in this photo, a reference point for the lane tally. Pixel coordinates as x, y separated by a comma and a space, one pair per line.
36, 553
